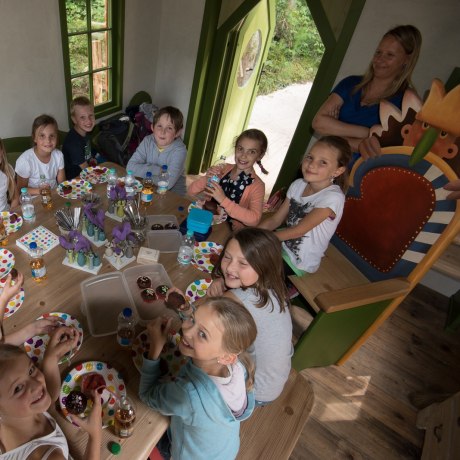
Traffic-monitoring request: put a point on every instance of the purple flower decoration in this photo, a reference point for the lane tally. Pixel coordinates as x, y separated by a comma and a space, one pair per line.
120, 232
82, 244
67, 245
76, 242
117, 193
100, 216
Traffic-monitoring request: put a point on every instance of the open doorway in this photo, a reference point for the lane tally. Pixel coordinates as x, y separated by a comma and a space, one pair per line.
292, 62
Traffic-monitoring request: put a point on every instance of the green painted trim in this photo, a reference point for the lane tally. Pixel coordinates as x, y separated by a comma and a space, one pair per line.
327, 72
331, 335
118, 33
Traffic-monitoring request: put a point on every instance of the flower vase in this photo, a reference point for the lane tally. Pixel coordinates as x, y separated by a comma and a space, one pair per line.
85, 223
120, 209
81, 259
111, 208
70, 256
90, 229
101, 235
129, 251
90, 260
97, 260
109, 252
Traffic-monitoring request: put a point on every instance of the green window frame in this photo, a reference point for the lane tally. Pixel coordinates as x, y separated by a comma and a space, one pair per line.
98, 73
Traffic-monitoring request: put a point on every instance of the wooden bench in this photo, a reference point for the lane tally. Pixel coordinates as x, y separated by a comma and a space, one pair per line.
273, 430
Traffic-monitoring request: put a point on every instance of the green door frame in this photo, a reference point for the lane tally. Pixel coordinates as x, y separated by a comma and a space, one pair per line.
213, 54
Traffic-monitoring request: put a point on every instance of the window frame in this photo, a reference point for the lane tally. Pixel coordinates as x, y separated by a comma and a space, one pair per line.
116, 50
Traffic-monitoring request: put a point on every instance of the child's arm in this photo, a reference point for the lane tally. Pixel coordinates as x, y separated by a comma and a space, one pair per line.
24, 182
157, 331
9, 291
217, 288
60, 176
278, 218
39, 327
197, 186
175, 165
138, 163
62, 340
311, 220
93, 426
15, 197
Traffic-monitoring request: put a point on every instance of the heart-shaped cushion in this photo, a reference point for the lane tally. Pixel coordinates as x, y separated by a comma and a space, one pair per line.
393, 207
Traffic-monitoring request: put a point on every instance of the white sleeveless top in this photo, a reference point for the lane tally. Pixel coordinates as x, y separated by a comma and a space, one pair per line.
55, 440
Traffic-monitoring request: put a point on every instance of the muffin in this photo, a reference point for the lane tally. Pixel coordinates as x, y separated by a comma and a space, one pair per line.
66, 189
161, 291
174, 301
214, 258
13, 218
14, 274
212, 206
170, 226
157, 227
148, 295
76, 402
144, 282
91, 381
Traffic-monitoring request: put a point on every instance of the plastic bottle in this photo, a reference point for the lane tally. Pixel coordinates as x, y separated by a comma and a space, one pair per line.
45, 192
126, 327
37, 263
185, 254
163, 181
3, 233
27, 206
219, 164
147, 190
125, 416
111, 180
129, 184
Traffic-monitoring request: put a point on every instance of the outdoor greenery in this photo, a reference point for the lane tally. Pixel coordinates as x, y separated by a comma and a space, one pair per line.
296, 50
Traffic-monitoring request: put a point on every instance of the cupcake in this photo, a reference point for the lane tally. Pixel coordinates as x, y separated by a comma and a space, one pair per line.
157, 227
66, 189
174, 301
148, 295
91, 381
170, 226
76, 402
144, 282
161, 291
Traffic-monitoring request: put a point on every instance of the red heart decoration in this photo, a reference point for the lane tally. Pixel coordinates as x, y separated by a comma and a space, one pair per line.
393, 207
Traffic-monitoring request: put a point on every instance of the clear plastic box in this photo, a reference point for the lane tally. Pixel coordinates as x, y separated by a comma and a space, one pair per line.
145, 310
164, 240
162, 220
103, 298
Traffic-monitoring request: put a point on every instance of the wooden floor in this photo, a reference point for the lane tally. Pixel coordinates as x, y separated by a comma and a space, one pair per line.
362, 409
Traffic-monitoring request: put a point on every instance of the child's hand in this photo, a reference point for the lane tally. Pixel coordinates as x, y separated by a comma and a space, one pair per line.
214, 171
62, 340
93, 423
45, 325
214, 190
157, 331
184, 306
217, 288
11, 289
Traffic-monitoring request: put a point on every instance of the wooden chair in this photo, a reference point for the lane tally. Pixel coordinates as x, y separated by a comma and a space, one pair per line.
273, 430
395, 225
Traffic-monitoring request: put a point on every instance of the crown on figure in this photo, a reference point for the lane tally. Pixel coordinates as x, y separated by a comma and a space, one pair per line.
442, 110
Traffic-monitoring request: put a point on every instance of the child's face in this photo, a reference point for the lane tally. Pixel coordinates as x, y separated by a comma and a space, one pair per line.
236, 269
164, 131
202, 338
45, 139
320, 164
83, 119
23, 389
247, 152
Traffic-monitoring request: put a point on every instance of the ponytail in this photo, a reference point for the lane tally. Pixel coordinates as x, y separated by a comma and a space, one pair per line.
250, 367
264, 171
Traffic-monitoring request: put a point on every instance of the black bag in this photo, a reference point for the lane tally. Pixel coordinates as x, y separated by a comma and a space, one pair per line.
113, 140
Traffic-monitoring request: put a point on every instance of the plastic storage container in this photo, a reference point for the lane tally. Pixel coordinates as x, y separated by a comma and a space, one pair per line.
164, 240
103, 298
162, 220
199, 220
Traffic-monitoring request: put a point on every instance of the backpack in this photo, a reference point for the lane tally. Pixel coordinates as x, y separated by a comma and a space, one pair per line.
113, 139
142, 128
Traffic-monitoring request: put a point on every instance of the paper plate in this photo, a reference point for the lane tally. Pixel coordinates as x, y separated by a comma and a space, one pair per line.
35, 347
171, 360
201, 253
6, 262
15, 302
197, 289
216, 218
114, 382
79, 186
137, 186
11, 227
89, 174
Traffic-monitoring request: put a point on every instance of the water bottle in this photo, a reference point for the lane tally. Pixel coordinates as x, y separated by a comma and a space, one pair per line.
185, 254
45, 192
220, 165
147, 190
125, 416
126, 327
37, 263
163, 180
129, 184
27, 206
111, 180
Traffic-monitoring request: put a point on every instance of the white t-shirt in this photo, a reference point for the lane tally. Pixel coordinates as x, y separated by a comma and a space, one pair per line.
4, 206
29, 166
306, 251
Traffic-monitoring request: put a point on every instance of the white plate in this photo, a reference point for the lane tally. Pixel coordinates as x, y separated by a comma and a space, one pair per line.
79, 187
197, 289
11, 227
114, 382
89, 174
7, 261
35, 347
15, 302
201, 253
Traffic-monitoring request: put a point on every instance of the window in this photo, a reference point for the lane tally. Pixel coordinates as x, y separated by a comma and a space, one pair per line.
92, 32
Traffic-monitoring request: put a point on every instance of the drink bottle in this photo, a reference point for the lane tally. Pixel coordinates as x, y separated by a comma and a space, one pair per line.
125, 416
45, 192
111, 180
126, 327
185, 254
3, 233
27, 206
129, 184
163, 180
147, 190
37, 263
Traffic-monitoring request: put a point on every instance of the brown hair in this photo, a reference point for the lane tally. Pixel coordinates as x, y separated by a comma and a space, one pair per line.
175, 114
262, 250
259, 136
239, 333
81, 101
7, 353
344, 154
43, 120
8, 170
410, 38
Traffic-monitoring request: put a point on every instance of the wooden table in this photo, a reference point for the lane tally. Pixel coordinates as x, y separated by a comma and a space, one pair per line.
61, 292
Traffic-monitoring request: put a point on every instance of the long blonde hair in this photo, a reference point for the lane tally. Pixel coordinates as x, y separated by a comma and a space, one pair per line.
7, 169
410, 38
240, 331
